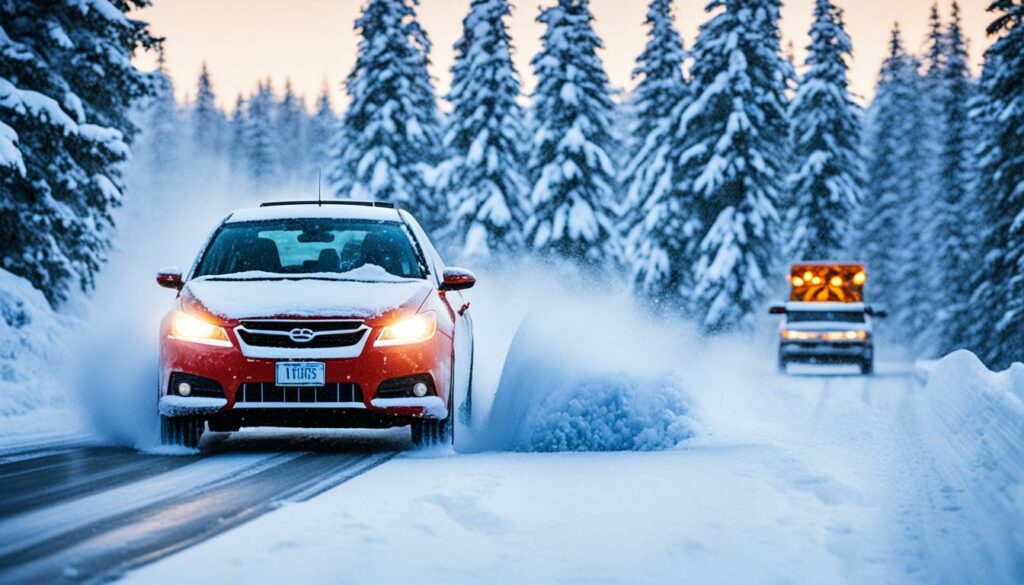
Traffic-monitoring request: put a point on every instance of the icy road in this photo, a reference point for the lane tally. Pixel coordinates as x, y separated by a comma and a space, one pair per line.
805, 479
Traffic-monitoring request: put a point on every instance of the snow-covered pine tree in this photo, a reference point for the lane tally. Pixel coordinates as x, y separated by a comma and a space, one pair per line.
323, 125
290, 130
66, 86
954, 231
894, 145
573, 177
827, 183
208, 122
656, 215
262, 149
998, 302
236, 138
736, 155
484, 176
161, 141
390, 137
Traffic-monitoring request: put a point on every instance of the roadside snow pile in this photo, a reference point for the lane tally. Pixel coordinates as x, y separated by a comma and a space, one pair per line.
589, 375
981, 415
29, 340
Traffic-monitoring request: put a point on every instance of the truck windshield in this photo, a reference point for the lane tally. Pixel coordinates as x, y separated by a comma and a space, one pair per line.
313, 246
825, 316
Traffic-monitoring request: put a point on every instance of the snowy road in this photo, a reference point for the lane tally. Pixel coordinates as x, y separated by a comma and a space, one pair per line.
796, 479
88, 514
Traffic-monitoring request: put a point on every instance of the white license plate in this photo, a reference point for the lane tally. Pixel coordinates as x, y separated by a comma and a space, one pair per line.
301, 374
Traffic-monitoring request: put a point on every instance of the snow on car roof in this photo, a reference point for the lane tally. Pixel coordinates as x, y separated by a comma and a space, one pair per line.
314, 211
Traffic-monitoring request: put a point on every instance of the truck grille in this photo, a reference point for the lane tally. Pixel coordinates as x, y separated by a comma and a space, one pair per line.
334, 393
302, 334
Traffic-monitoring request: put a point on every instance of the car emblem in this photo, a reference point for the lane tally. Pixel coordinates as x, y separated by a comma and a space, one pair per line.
301, 335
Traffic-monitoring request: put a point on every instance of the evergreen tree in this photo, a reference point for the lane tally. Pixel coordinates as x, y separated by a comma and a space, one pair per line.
66, 86
261, 147
736, 152
290, 130
895, 146
390, 136
484, 177
208, 123
998, 301
573, 176
322, 126
236, 138
954, 230
827, 184
161, 141
655, 212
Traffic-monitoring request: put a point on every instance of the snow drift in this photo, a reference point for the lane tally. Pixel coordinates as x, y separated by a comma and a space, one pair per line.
980, 414
30, 334
586, 372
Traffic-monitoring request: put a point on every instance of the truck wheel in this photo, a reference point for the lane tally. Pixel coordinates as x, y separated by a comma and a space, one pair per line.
181, 431
783, 366
867, 367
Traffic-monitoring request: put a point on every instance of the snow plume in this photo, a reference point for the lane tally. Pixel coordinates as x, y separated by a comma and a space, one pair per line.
115, 348
585, 370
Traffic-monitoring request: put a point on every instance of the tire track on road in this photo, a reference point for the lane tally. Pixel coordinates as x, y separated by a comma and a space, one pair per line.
99, 535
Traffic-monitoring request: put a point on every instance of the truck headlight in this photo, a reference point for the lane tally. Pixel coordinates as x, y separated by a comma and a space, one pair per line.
185, 327
415, 329
799, 335
846, 335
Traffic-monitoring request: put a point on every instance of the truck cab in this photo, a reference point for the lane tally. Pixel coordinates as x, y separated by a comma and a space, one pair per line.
826, 320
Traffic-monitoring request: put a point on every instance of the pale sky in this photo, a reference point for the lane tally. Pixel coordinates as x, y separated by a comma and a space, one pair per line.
312, 41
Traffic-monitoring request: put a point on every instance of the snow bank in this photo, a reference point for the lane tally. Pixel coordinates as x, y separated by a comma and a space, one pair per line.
981, 415
586, 372
35, 405
30, 333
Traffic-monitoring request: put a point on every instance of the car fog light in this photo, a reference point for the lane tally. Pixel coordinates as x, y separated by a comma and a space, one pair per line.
184, 389
420, 389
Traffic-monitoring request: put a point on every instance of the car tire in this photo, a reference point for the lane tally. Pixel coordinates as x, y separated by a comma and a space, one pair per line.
466, 410
435, 433
783, 366
181, 431
867, 367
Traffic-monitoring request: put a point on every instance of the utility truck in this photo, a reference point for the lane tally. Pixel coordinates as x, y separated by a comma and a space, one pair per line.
826, 318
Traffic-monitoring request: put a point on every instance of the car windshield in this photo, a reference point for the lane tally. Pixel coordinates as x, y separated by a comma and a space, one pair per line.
825, 316
314, 246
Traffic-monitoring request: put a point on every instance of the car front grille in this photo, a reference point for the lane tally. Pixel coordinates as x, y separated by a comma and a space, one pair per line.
333, 393
302, 334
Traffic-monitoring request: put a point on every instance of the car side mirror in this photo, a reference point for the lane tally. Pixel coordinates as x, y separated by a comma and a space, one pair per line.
777, 310
458, 279
170, 278
879, 312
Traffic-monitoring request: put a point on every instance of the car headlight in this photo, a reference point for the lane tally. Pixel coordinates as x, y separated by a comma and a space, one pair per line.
415, 329
185, 327
846, 335
798, 335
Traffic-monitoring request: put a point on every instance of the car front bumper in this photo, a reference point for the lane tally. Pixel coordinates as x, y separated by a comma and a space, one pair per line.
825, 351
362, 375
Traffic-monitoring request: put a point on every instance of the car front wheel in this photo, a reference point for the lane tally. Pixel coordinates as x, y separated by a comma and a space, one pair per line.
181, 431
435, 433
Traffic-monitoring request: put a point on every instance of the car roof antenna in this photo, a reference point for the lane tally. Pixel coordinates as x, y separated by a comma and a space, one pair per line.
320, 187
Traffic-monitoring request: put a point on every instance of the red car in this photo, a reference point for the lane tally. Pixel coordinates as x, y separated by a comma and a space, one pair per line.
333, 315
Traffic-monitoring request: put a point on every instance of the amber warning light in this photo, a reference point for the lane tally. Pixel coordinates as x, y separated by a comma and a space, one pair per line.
820, 283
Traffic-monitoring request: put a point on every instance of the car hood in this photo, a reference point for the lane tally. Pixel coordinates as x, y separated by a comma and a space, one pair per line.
236, 299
